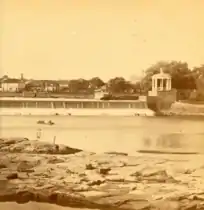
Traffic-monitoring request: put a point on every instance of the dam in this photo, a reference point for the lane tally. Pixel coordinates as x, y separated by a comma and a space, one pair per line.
64, 106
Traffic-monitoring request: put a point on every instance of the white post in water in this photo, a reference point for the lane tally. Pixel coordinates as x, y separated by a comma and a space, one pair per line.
38, 134
54, 139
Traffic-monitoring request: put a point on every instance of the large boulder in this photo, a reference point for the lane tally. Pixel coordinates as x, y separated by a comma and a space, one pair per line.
24, 145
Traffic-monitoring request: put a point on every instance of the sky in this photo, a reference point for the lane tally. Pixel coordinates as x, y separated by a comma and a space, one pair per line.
66, 39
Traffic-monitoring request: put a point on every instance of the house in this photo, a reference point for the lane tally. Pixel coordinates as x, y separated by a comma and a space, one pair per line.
32, 85
12, 85
50, 86
42, 85
63, 85
100, 93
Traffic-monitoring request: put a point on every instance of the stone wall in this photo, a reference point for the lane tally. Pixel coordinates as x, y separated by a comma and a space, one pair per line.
162, 101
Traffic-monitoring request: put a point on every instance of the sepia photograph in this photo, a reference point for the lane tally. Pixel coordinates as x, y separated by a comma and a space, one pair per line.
102, 104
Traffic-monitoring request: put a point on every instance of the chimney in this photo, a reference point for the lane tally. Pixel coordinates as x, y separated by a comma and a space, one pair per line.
22, 77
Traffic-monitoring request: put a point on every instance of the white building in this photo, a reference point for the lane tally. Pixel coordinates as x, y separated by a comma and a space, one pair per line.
160, 82
100, 93
12, 85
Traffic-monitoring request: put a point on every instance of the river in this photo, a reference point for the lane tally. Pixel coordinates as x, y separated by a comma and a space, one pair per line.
106, 133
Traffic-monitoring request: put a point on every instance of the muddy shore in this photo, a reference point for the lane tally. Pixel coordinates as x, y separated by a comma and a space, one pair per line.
43, 172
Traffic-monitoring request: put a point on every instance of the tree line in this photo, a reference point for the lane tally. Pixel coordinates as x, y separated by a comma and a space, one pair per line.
183, 78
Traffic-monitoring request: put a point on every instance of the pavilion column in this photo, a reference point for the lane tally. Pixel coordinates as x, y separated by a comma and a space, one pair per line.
162, 84
169, 84
155, 84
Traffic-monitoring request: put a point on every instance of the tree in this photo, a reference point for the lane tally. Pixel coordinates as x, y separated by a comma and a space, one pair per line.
118, 85
78, 85
198, 73
96, 82
137, 87
182, 77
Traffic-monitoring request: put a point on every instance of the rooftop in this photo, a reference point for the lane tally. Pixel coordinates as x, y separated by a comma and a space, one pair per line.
161, 75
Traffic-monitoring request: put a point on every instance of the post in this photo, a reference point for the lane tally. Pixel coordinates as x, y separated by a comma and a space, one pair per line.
52, 105
54, 139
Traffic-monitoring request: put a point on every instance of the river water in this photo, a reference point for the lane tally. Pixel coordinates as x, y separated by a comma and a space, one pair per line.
106, 133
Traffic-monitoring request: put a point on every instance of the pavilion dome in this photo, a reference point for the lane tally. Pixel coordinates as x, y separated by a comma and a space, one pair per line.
161, 75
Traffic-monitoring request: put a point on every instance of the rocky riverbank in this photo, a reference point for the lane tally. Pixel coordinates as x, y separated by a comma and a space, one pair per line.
184, 109
37, 171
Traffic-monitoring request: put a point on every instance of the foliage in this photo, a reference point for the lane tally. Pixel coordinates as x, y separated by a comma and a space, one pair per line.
182, 76
119, 85
78, 85
96, 82
198, 73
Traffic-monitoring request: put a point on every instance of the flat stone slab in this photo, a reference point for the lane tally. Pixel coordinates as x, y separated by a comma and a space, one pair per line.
103, 181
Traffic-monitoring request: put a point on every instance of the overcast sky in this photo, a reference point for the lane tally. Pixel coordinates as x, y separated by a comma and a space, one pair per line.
66, 39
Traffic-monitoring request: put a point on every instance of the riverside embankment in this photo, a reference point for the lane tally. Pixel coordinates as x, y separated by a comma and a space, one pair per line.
185, 109
37, 171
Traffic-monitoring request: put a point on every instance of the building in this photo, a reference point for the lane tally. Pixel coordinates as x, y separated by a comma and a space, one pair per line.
100, 93
50, 86
63, 85
13, 85
162, 96
42, 85
160, 82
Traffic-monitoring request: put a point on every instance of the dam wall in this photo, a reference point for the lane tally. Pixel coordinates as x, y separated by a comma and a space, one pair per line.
35, 106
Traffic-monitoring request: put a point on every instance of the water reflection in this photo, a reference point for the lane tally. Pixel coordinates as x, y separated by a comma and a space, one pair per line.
102, 134
173, 141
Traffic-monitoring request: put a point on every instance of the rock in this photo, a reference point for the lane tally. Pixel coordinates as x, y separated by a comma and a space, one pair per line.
25, 166
115, 178
117, 153
190, 206
95, 182
20, 145
81, 188
12, 176
55, 160
2, 166
90, 167
104, 171
24, 197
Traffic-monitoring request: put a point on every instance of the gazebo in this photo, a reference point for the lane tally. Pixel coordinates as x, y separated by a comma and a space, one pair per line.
160, 82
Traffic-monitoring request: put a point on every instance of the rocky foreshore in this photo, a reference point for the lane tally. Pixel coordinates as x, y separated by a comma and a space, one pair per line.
37, 171
184, 109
